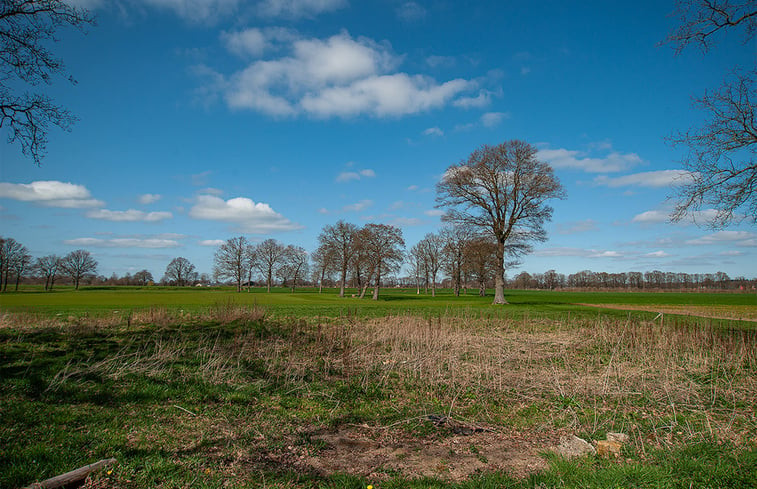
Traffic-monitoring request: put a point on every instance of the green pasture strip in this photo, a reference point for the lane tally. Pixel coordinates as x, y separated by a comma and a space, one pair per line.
309, 303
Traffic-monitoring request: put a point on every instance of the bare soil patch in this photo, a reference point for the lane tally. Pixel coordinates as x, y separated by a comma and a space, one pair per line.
380, 454
737, 313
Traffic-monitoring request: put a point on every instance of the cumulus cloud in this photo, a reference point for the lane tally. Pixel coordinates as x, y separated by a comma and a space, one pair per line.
579, 160
348, 176
51, 193
211, 242
131, 215
251, 217
340, 76
146, 199
123, 243
654, 179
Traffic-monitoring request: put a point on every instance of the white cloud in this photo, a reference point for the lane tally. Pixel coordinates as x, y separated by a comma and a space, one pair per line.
612, 162
254, 42
123, 243
657, 216
433, 131
336, 77
406, 221
131, 215
249, 42
211, 242
577, 227
483, 99
412, 188
579, 252
348, 176
653, 216
51, 193
211, 191
525, 70
358, 206
146, 199
297, 8
491, 119
656, 254
434, 212
654, 179
734, 238
197, 10
250, 216
411, 12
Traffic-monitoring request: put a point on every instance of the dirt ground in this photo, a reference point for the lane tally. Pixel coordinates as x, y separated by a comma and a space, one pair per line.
378, 454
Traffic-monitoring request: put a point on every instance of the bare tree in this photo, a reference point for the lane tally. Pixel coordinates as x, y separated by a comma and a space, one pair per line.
480, 259
180, 271
27, 27
232, 260
383, 246
77, 264
14, 259
456, 239
339, 239
268, 257
417, 263
432, 249
721, 154
295, 265
501, 190
48, 266
143, 277
325, 261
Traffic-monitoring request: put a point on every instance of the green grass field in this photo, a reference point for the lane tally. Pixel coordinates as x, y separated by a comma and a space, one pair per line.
309, 303
211, 388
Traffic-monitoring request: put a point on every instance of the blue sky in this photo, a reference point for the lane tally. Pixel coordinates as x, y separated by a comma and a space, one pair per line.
204, 119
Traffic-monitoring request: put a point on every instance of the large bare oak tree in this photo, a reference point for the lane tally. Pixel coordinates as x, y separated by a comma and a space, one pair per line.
721, 154
501, 190
27, 28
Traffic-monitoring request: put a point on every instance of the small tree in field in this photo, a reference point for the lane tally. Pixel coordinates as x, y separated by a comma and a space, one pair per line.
180, 271
502, 191
384, 251
233, 260
77, 264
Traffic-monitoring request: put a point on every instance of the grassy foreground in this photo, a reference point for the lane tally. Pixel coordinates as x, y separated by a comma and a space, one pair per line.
229, 395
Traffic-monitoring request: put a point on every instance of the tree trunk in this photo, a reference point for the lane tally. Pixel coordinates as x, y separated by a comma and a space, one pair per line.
499, 275
344, 279
377, 286
268, 282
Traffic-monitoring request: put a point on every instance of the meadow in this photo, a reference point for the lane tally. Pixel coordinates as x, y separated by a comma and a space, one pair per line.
212, 388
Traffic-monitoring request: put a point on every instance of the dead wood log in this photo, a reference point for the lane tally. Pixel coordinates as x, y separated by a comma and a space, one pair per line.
72, 477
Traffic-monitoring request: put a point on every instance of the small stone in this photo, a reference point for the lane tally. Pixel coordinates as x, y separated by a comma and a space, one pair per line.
621, 438
573, 446
607, 448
